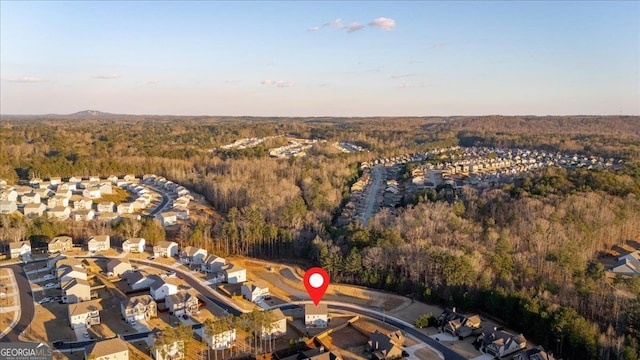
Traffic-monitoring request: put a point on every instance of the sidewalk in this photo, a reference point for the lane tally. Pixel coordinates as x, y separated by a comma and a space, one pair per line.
7, 277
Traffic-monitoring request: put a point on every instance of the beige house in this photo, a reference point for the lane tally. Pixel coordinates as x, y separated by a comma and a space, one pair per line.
83, 204
8, 207
99, 243
118, 267
57, 201
84, 314
165, 249
84, 215
34, 210
60, 243
139, 308
76, 290
107, 206
277, 328
112, 349
20, 249
316, 316
386, 346
59, 213
173, 351
168, 218
183, 302
30, 198
255, 291
133, 245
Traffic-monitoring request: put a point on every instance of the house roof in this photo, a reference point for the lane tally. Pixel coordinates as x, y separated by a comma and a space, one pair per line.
60, 239
258, 284
18, 245
84, 307
35, 206
75, 282
134, 277
212, 258
626, 265
165, 244
233, 268
133, 241
157, 282
107, 347
278, 314
183, 296
320, 309
135, 300
115, 262
192, 250
69, 262
534, 354
100, 238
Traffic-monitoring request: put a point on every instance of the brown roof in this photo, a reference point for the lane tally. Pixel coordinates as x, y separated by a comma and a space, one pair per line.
84, 307
107, 347
311, 309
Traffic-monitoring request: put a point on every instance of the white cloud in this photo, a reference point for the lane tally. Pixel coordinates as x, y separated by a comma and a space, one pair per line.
277, 83
383, 23
107, 77
402, 76
386, 24
28, 79
354, 26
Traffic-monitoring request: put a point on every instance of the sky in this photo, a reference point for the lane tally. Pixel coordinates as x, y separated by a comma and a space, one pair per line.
305, 58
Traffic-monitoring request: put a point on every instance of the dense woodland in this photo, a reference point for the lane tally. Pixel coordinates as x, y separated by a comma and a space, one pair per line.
527, 253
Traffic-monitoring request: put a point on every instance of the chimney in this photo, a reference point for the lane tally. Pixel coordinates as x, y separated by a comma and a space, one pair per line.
454, 309
321, 349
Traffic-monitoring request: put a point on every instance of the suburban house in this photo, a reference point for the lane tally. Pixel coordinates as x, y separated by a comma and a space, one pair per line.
75, 179
84, 215
212, 263
76, 290
83, 204
60, 243
112, 179
137, 281
235, 274
118, 267
98, 243
183, 302
192, 255
139, 204
84, 314
92, 192
112, 349
30, 198
386, 346
107, 206
64, 192
168, 218
277, 328
9, 195
160, 289
8, 207
58, 200
628, 264
458, 324
35, 182
59, 213
67, 273
43, 192
34, 210
125, 208
169, 351
138, 308
316, 316
255, 291
20, 249
534, 354
133, 245
314, 354
165, 249
105, 188
219, 341
61, 262
56, 180
107, 216
501, 343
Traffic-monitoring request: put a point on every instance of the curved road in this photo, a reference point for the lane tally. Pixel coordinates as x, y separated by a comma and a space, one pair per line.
26, 304
163, 204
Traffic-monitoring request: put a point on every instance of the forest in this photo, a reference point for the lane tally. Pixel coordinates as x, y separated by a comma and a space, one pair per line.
530, 253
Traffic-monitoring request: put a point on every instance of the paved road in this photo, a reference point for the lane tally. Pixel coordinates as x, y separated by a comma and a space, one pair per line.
407, 328
373, 194
26, 304
163, 204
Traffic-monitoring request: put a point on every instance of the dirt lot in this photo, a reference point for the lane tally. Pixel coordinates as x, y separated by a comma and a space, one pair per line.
350, 343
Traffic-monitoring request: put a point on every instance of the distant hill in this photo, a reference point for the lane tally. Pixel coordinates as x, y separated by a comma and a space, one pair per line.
90, 114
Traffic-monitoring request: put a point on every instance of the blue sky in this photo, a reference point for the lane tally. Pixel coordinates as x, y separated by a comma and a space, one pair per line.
320, 58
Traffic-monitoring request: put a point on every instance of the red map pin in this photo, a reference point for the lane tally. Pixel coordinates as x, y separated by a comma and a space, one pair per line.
316, 280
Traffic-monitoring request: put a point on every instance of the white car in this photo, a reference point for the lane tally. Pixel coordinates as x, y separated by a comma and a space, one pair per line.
44, 300
47, 277
50, 285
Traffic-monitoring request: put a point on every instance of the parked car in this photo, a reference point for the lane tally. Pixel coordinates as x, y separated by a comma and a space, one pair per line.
86, 335
44, 300
151, 258
50, 285
47, 277
185, 316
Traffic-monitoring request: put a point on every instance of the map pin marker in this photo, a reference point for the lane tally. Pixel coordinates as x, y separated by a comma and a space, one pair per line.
316, 280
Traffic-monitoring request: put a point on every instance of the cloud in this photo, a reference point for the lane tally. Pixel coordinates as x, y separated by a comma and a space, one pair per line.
28, 79
402, 76
386, 24
107, 77
277, 83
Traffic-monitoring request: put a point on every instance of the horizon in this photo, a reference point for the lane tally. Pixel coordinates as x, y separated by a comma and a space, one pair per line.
321, 59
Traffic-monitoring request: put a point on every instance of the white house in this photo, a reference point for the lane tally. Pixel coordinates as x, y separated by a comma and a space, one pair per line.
220, 341
67, 273
137, 281
84, 314
56, 180
277, 328
133, 245
112, 349
83, 204
9, 195
160, 289
8, 207
30, 198
213, 263
169, 351
99, 243
255, 291
235, 274
165, 249
316, 316
118, 267
92, 192
20, 249
34, 210
75, 179
168, 218
125, 208
76, 290
58, 200
106, 206
192, 255
138, 308
84, 215
59, 213
183, 302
